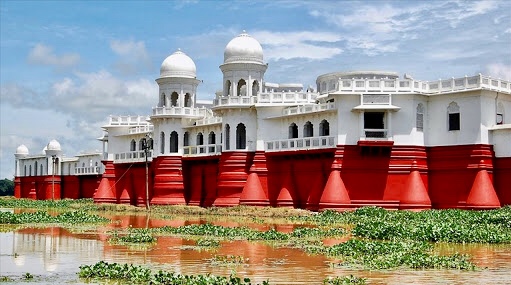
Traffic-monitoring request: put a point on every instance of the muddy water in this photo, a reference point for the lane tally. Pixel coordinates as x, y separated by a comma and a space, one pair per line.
53, 255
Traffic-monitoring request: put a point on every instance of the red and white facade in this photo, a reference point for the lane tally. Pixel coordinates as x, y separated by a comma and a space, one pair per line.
362, 138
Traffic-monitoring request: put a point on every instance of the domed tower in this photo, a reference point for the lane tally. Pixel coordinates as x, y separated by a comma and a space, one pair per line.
243, 66
178, 81
176, 109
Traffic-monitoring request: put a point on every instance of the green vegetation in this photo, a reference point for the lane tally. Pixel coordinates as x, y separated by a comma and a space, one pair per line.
134, 274
344, 280
133, 236
6, 187
454, 225
41, 217
223, 260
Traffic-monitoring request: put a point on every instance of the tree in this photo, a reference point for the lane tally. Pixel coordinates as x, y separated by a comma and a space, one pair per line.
6, 187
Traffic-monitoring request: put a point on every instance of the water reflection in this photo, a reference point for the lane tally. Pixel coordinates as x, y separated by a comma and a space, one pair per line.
58, 253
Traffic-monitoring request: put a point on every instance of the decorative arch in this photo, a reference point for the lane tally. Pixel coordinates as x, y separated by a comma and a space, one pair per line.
453, 112
133, 145
163, 99
242, 88
212, 141
30, 170
200, 139
241, 136
419, 117
141, 144
173, 142
293, 131
227, 137
228, 86
324, 128
162, 142
188, 100
41, 169
186, 139
35, 168
173, 99
25, 171
255, 87
308, 130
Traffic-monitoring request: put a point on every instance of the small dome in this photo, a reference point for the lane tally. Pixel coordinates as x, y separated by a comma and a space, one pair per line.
178, 64
243, 48
53, 145
22, 149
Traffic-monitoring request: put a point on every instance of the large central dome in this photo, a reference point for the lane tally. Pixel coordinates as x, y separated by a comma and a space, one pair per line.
178, 64
243, 48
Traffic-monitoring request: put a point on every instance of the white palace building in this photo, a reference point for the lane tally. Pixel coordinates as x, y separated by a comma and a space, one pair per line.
362, 138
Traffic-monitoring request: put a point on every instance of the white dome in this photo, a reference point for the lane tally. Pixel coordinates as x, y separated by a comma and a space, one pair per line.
53, 145
243, 48
178, 64
22, 149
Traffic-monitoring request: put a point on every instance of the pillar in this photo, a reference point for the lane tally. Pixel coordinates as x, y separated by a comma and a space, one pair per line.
255, 191
168, 181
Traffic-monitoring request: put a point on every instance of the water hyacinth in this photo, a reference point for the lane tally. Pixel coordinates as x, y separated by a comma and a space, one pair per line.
43, 217
134, 274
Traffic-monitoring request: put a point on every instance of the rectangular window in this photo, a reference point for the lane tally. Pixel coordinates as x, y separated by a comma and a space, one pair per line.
454, 122
420, 122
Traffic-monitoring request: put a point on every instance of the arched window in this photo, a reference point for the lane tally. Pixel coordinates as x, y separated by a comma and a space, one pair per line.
211, 138
200, 139
35, 168
162, 142
141, 144
41, 169
186, 139
293, 131
228, 86
133, 145
453, 112
25, 171
30, 170
68, 169
173, 142
308, 130
241, 136
188, 100
242, 88
500, 114
162, 100
324, 128
255, 88
227, 137
173, 99
419, 119
212, 141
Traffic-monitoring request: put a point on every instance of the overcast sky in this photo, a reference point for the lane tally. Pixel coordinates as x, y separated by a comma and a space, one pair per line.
65, 66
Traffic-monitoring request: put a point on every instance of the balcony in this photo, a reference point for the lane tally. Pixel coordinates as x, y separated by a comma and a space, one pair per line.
178, 111
286, 98
202, 150
123, 121
206, 122
92, 170
306, 109
235, 101
132, 156
301, 143
140, 129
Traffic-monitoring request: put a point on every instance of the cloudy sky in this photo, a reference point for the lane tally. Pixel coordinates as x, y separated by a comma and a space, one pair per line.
65, 66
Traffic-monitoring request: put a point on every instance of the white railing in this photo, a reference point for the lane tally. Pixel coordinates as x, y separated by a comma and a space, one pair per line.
286, 97
308, 108
426, 87
128, 120
140, 129
208, 121
198, 150
87, 170
132, 156
178, 111
375, 134
301, 143
235, 100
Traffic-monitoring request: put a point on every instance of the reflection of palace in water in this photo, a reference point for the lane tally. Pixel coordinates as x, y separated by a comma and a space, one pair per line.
51, 247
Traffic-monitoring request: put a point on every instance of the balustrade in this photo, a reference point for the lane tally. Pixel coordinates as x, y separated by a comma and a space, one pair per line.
132, 156
87, 170
199, 150
301, 143
178, 111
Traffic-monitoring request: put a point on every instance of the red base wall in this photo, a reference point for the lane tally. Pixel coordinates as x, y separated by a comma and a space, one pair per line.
382, 175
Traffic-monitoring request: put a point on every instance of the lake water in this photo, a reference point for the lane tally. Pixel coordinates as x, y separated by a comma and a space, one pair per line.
53, 256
